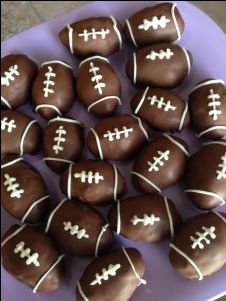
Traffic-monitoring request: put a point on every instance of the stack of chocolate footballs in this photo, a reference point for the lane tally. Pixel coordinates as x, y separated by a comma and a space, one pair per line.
34, 255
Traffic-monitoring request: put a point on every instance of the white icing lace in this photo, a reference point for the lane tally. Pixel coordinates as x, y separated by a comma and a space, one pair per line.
74, 230
221, 173
154, 23
9, 75
89, 177
13, 187
110, 271
197, 242
94, 34
48, 82
146, 220
8, 124
59, 139
26, 253
97, 78
163, 156
161, 104
117, 133
162, 54
214, 102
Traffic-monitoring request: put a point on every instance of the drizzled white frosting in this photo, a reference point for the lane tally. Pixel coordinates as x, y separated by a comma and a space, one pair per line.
146, 220
12, 186
75, 230
59, 139
161, 103
111, 270
8, 124
89, 177
161, 55
97, 78
94, 34
221, 172
26, 253
9, 75
205, 236
158, 161
154, 23
49, 82
116, 134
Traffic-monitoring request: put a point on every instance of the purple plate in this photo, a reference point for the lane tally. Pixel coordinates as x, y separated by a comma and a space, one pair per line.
207, 42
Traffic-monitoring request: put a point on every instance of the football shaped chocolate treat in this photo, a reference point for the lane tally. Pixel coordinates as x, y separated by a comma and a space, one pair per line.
94, 182
19, 133
117, 137
146, 218
63, 142
206, 176
163, 109
159, 65
23, 191
198, 249
53, 92
99, 35
159, 23
30, 255
78, 229
160, 164
17, 74
98, 86
113, 276
207, 102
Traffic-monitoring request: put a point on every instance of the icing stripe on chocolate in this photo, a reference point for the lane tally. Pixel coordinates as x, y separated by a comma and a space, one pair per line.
177, 144
133, 267
48, 106
208, 82
187, 59
207, 193
115, 182
141, 127
116, 31
169, 216
219, 215
47, 272
24, 135
215, 142
141, 100
146, 180
70, 38
134, 68
103, 99
11, 162
52, 214
188, 259
131, 33
58, 118
6, 102
118, 230
212, 128
32, 206
98, 143
81, 292
57, 159
104, 228
183, 116
12, 235
95, 57
69, 181
175, 22
56, 62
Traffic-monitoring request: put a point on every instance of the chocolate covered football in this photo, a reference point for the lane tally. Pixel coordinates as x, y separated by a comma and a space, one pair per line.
113, 276
23, 191
63, 142
17, 74
117, 137
206, 176
160, 164
146, 218
159, 65
158, 23
198, 249
53, 91
207, 102
87, 37
98, 86
94, 182
163, 109
78, 229
20, 133
30, 256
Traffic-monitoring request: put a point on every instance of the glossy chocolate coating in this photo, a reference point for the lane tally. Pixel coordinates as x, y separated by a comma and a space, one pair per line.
89, 225
16, 91
89, 88
148, 25
91, 44
119, 287
134, 212
207, 103
209, 257
63, 142
23, 206
100, 191
62, 92
206, 174
118, 147
166, 72
163, 109
30, 274
160, 170
13, 127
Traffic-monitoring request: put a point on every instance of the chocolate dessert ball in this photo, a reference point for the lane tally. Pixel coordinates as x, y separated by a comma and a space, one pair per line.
98, 86
31, 256
17, 74
20, 133
160, 164
78, 229
198, 249
98, 35
207, 102
53, 92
